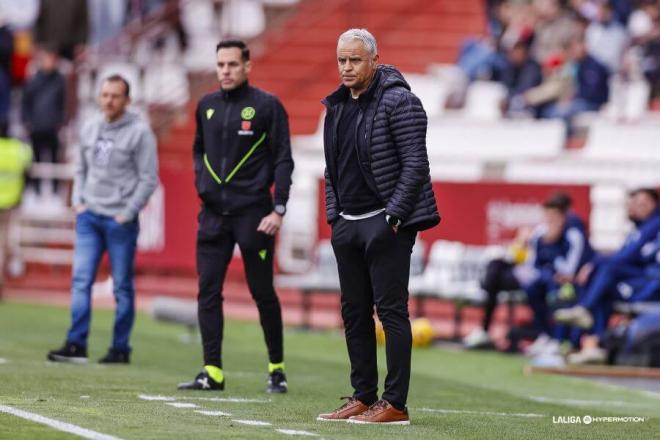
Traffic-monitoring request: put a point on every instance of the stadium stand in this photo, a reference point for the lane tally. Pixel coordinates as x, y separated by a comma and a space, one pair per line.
471, 137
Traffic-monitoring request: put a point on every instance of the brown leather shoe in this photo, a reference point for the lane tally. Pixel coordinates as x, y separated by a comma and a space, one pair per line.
382, 412
352, 407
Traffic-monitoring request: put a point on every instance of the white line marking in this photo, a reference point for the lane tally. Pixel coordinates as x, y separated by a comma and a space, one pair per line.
481, 413
209, 399
581, 402
84, 397
295, 432
157, 398
252, 422
213, 413
56, 424
226, 399
182, 405
3, 361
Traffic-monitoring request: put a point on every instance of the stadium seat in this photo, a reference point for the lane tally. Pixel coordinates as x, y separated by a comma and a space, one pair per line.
483, 101
453, 273
628, 100
502, 140
430, 91
623, 141
166, 84
202, 27
322, 278
233, 20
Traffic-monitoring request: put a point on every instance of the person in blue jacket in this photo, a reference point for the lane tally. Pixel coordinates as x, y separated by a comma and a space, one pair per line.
557, 250
604, 279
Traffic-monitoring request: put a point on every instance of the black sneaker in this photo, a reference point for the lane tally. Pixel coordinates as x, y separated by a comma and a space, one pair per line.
277, 382
116, 357
202, 382
72, 353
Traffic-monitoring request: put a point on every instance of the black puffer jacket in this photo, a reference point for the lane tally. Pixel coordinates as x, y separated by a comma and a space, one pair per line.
394, 161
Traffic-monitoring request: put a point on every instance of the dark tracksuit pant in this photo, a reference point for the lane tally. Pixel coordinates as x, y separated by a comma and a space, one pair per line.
45, 146
498, 277
216, 238
374, 268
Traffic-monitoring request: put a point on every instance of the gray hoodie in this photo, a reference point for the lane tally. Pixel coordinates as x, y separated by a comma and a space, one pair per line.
117, 170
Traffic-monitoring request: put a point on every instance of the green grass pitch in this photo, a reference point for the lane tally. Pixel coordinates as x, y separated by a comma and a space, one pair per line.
453, 395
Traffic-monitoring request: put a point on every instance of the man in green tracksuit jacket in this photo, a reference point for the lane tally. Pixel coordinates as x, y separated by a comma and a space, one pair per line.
241, 148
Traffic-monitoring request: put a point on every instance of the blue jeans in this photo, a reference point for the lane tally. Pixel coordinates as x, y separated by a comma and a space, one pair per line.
96, 234
537, 297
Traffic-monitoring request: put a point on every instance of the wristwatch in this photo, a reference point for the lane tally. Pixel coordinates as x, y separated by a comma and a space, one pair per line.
393, 221
280, 209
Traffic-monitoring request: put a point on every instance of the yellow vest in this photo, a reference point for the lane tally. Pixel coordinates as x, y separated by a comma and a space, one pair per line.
15, 158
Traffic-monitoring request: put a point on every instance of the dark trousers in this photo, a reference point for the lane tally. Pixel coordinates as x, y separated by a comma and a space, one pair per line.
216, 238
46, 148
374, 267
499, 277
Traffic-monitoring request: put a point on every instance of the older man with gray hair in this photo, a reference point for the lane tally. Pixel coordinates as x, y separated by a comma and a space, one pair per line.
378, 195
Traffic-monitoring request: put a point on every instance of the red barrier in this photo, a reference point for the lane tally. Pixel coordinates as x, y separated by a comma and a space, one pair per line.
485, 212
473, 213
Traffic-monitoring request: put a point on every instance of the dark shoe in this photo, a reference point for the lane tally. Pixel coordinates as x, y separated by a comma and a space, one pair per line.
72, 353
277, 382
116, 357
202, 382
382, 413
352, 407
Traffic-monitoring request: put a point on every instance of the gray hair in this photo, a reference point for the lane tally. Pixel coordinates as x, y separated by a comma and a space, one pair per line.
363, 35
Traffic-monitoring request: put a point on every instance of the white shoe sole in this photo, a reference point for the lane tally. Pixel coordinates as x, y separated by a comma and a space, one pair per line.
67, 359
360, 422
321, 419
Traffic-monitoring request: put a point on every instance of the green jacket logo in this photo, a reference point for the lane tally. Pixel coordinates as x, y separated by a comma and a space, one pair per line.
248, 113
209, 113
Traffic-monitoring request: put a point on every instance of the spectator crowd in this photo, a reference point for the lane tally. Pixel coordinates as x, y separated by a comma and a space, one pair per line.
557, 58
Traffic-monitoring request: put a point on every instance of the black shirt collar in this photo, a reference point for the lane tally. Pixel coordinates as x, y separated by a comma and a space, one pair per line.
238, 92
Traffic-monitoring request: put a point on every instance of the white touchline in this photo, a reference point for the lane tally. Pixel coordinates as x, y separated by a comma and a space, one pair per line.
252, 422
295, 432
56, 424
3, 361
213, 413
226, 399
210, 399
182, 405
481, 413
157, 398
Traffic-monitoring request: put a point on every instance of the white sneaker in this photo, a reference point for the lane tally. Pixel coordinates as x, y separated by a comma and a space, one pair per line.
538, 345
477, 338
548, 361
588, 356
577, 316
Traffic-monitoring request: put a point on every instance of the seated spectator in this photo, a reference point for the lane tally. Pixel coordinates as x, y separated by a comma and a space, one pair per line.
557, 250
606, 38
43, 108
644, 28
591, 88
65, 24
553, 31
557, 85
599, 279
518, 72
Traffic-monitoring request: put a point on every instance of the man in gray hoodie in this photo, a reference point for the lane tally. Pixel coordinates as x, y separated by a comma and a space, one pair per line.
116, 174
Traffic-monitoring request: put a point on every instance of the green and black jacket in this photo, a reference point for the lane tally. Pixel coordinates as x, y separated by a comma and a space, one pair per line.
241, 148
